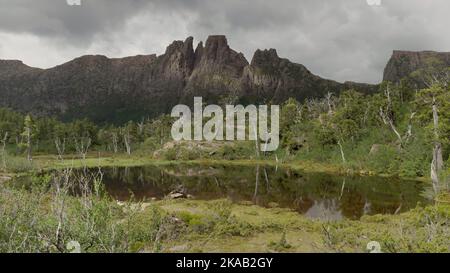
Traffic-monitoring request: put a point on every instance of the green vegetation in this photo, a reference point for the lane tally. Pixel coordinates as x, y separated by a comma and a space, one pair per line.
47, 218
399, 131
392, 132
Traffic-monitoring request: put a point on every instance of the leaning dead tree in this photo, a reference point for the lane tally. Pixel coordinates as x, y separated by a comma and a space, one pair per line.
386, 115
342, 151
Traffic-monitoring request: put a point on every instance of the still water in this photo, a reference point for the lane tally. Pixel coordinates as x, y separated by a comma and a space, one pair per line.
316, 195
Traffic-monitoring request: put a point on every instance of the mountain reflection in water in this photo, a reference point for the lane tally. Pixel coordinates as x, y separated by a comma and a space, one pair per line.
316, 195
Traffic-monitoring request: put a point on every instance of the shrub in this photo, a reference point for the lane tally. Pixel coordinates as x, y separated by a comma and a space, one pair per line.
18, 164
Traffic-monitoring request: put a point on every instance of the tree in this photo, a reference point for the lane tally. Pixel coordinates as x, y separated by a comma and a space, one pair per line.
433, 105
346, 119
391, 110
28, 133
4, 141
289, 119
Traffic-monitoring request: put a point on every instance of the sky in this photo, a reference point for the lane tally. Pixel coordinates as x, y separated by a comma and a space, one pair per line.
337, 39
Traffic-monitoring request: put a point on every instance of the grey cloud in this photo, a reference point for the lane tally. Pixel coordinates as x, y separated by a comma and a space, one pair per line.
339, 39
56, 19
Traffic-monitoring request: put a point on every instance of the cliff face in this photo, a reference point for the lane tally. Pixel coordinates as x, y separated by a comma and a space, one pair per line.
117, 90
270, 78
217, 72
403, 63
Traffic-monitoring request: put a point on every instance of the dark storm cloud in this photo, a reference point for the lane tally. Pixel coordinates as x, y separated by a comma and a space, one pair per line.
340, 39
56, 19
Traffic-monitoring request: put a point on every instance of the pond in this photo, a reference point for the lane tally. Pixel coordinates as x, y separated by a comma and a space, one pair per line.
316, 195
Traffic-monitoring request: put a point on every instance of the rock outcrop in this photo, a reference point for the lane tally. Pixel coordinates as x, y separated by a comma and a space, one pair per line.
117, 90
403, 63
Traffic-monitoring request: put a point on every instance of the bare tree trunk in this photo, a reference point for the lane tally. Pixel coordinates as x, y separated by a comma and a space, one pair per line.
115, 141
17, 144
437, 154
140, 127
256, 144
83, 146
342, 152
60, 147
330, 107
409, 131
127, 141
437, 163
434, 168
4, 140
388, 121
29, 147
255, 195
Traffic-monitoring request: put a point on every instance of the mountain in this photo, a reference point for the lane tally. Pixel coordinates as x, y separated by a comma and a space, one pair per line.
403, 63
117, 90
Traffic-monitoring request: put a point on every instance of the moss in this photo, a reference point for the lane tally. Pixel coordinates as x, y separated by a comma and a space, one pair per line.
256, 229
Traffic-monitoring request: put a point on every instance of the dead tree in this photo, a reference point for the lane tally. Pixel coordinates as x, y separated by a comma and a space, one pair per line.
115, 142
386, 116
330, 103
82, 146
437, 163
342, 151
60, 147
4, 141
127, 141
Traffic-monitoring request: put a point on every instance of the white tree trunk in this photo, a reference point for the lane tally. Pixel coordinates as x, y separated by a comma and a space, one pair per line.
60, 147
83, 146
29, 148
342, 152
434, 170
127, 140
5, 138
437, 152
115, 142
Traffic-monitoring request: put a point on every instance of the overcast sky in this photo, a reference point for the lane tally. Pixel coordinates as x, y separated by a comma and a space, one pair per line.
337, 39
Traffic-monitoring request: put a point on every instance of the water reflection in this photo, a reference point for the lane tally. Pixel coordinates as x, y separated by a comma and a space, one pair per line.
316, 195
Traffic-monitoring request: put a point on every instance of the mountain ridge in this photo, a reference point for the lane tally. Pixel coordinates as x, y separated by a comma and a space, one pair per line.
120, 89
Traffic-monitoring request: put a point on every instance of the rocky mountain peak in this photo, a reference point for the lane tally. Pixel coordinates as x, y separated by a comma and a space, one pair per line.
14, 67
179, 59
403, 63
216, 46
265, 56
266, 61
218, 51
121, 89
185, 47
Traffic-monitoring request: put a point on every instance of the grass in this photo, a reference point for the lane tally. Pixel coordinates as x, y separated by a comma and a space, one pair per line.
281, 230
46, 162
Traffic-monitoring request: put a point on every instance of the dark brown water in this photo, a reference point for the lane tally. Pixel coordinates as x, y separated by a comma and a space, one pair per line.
315, 195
